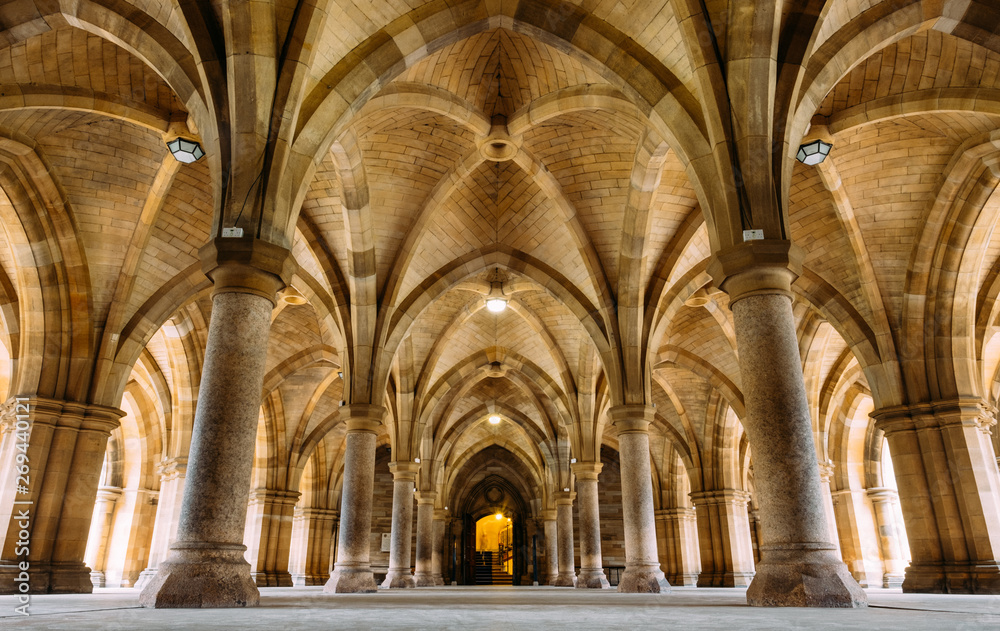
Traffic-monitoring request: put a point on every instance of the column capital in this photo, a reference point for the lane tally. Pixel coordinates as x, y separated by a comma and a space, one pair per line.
8, 414
363, 417
442, 514
565, 497
720, 496
586, 470
307, 512
826, 470
101, 419
171, 468
680, 512
274, 496
404, 470
959, 411
426, 497
247, 266
755, 268
81, 416
109, 493
632, 419
881, 494
548, 514
893, 419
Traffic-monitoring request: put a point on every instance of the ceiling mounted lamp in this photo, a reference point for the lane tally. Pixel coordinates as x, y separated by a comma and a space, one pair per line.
494, 419
496, 301
813, 152
184, 150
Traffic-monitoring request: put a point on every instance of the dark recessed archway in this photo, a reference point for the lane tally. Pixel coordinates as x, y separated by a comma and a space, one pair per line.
496, 481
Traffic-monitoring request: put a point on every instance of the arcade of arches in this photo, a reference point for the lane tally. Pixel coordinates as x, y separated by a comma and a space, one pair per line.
805, 414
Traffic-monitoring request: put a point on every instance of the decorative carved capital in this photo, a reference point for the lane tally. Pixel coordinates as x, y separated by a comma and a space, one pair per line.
756, 268
632, 419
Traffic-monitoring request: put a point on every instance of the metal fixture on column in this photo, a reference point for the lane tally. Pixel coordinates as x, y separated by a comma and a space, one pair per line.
184, 150
813, 152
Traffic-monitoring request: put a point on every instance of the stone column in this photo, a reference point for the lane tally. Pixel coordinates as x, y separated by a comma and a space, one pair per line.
949, 491
353, 572
591, 565
754, 516
551, 545
564, 523
9, 418
205, 566
404, 475
642, 566
268, 536
724, 537
826, 471
859, 551
128, 544
680, 537
424, 573
798, 565
168, 514
65, 455
437, 547
312, 531
100, 530
885, 521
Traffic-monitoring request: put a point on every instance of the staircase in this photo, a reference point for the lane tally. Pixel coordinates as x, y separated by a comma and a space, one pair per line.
489, 572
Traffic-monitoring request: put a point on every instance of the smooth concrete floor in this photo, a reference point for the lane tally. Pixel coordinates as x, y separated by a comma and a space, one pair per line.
503, 609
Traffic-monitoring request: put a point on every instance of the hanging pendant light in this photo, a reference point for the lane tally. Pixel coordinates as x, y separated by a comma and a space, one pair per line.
496, 301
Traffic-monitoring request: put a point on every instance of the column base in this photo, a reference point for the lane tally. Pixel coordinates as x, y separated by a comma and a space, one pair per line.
97, 579
272, 579
144, 578
982, 578
438, 579
565, 579
643, 579
198, 576
683, 580
725, 579
892, 580
423, 579
303, 580
804, 578
398, 579
48, 579
351, 579
592, 578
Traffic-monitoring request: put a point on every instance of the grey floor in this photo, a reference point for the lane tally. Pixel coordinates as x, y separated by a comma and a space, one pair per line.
504, 609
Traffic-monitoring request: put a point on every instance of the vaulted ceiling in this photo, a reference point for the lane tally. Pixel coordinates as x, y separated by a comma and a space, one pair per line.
424, 150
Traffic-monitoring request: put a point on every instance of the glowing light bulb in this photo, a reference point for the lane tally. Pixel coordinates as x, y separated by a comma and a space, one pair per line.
496, 305
494, 419
499, 516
